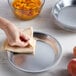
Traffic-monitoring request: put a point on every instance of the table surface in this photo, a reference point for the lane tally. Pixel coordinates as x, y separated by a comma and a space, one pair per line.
42, 23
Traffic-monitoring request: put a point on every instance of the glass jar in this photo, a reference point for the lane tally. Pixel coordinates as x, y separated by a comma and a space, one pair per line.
26, 9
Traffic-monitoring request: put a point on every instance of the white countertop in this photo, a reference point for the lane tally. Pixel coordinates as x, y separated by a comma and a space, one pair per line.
44, 24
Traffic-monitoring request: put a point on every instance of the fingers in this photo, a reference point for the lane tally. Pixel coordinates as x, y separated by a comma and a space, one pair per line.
19, 40
23, 37
19, 44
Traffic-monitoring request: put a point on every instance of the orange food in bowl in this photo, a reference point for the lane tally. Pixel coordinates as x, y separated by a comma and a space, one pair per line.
27, 9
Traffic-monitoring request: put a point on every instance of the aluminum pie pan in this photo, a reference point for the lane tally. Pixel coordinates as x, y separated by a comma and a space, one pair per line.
47, 55
59, 7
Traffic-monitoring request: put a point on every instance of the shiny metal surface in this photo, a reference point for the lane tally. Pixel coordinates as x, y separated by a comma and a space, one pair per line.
59, 6
47, 55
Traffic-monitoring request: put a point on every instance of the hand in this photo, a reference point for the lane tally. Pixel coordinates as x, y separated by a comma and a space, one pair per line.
15, 36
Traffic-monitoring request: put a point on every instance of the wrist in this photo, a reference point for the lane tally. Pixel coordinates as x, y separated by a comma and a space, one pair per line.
4, 23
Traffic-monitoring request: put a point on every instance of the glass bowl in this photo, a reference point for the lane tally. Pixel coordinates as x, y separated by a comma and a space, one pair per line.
26, 9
